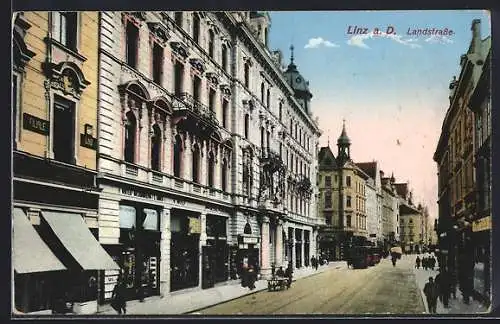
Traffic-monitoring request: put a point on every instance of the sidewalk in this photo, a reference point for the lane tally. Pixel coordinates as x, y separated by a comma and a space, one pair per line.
193, 300
456, 306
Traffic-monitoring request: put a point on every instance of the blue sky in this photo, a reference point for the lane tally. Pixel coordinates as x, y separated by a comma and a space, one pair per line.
392, 91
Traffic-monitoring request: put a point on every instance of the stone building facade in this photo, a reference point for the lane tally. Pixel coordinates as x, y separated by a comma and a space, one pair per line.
206, 151
390, 211
373, 201
456, 160
56, 252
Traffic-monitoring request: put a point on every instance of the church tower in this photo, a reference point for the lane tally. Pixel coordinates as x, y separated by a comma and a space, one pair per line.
343, 144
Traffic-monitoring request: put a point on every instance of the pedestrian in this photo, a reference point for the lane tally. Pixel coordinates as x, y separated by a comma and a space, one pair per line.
252, 276
424, 262
432, 262
431, 295
417, 262
273, 269
393, 259
244, 275
280, 272
316, 263
289, 275
445, 287
118, 297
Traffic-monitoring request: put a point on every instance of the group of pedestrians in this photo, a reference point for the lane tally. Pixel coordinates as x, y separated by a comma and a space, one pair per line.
428, 262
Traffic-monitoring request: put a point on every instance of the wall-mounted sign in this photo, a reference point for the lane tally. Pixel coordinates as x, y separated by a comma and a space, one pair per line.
36, 124
141, 194
248, 240
482, 224
194, 225
88, 141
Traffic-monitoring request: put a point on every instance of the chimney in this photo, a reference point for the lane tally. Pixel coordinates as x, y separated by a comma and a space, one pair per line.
476, 36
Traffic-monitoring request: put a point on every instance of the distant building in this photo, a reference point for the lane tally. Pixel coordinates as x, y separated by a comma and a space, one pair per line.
390, 211
373, 201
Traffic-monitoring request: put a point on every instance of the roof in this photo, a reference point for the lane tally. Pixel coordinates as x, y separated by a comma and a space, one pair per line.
343, 139
370, 168
326, 159
402, 189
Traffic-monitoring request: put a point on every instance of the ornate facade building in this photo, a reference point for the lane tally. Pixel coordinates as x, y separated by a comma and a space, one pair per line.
206, 151
342, 200
390, 211
412, 222
56, 252
461, 201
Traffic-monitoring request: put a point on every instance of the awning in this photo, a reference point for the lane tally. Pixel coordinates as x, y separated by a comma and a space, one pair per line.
30, 253
78, 240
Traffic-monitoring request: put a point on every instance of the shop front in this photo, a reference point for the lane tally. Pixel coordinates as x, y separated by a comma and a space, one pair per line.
298, 248
307, 256
185, 230
481, 236
217, 250
248, 252
139, 252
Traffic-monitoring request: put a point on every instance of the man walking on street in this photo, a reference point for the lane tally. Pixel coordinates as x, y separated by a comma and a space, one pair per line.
417, 262
431, 294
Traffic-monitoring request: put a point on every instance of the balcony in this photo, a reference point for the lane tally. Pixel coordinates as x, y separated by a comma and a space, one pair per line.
193, 115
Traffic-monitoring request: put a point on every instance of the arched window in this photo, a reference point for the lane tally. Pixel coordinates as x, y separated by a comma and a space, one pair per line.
177, 156
268, 102
196, 28
211, 169
211, 40
224, 175
196, 164
247, 75
247, 118
262, 92
156, 148
247, 229
130, 136
224, 57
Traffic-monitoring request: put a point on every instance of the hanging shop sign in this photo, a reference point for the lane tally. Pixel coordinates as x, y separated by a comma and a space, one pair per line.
194, 225
482, 224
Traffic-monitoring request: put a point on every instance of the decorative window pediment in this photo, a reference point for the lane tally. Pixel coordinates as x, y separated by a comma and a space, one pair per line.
21, 53
250, 103
226, 89
197, 64
248, 60
212, 78
160, 32
180, 50
67, 77
135, 17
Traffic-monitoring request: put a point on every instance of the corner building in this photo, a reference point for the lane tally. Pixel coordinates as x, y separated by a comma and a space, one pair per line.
206, 151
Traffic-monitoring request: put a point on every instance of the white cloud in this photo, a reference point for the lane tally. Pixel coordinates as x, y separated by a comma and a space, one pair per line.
441, 39
318, 41
359, 40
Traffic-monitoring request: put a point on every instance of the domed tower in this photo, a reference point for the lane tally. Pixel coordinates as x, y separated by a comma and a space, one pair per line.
299, 85
343, 144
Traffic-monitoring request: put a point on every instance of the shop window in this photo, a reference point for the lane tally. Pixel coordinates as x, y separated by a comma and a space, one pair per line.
224, 57
130, 137
262, 92
247, 118
225, 108
127, 216
178, 18
178, 78
211, 40
156, 148
211, 169
177, 156
132, 43
196, 89
65, 28
196, 164
224, 175
196, 28
247, 75
268, 100
211, 99
157, 63
64, 130
151, 222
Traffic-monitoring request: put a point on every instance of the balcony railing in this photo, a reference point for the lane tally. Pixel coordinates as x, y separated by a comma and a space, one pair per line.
186, 101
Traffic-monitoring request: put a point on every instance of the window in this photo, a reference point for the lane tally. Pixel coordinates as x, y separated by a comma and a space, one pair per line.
224, 175
196, 88
348, 181
196, 164
151, 221
211, 167
15, 109
262, 92
178, 18
156, 148
280, 112
130, 135
247, 117
225, 108
196, 28
224, 57
291, 126
211, 99
336, 178
268, 100
64, 130
265, 36
247, 75
157, 63
281, 150
268, 141
348, 201
348, 221
328, 218
262, 138
177, 156
65, 28
132, 39
211, 41
328, 199
178, 78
